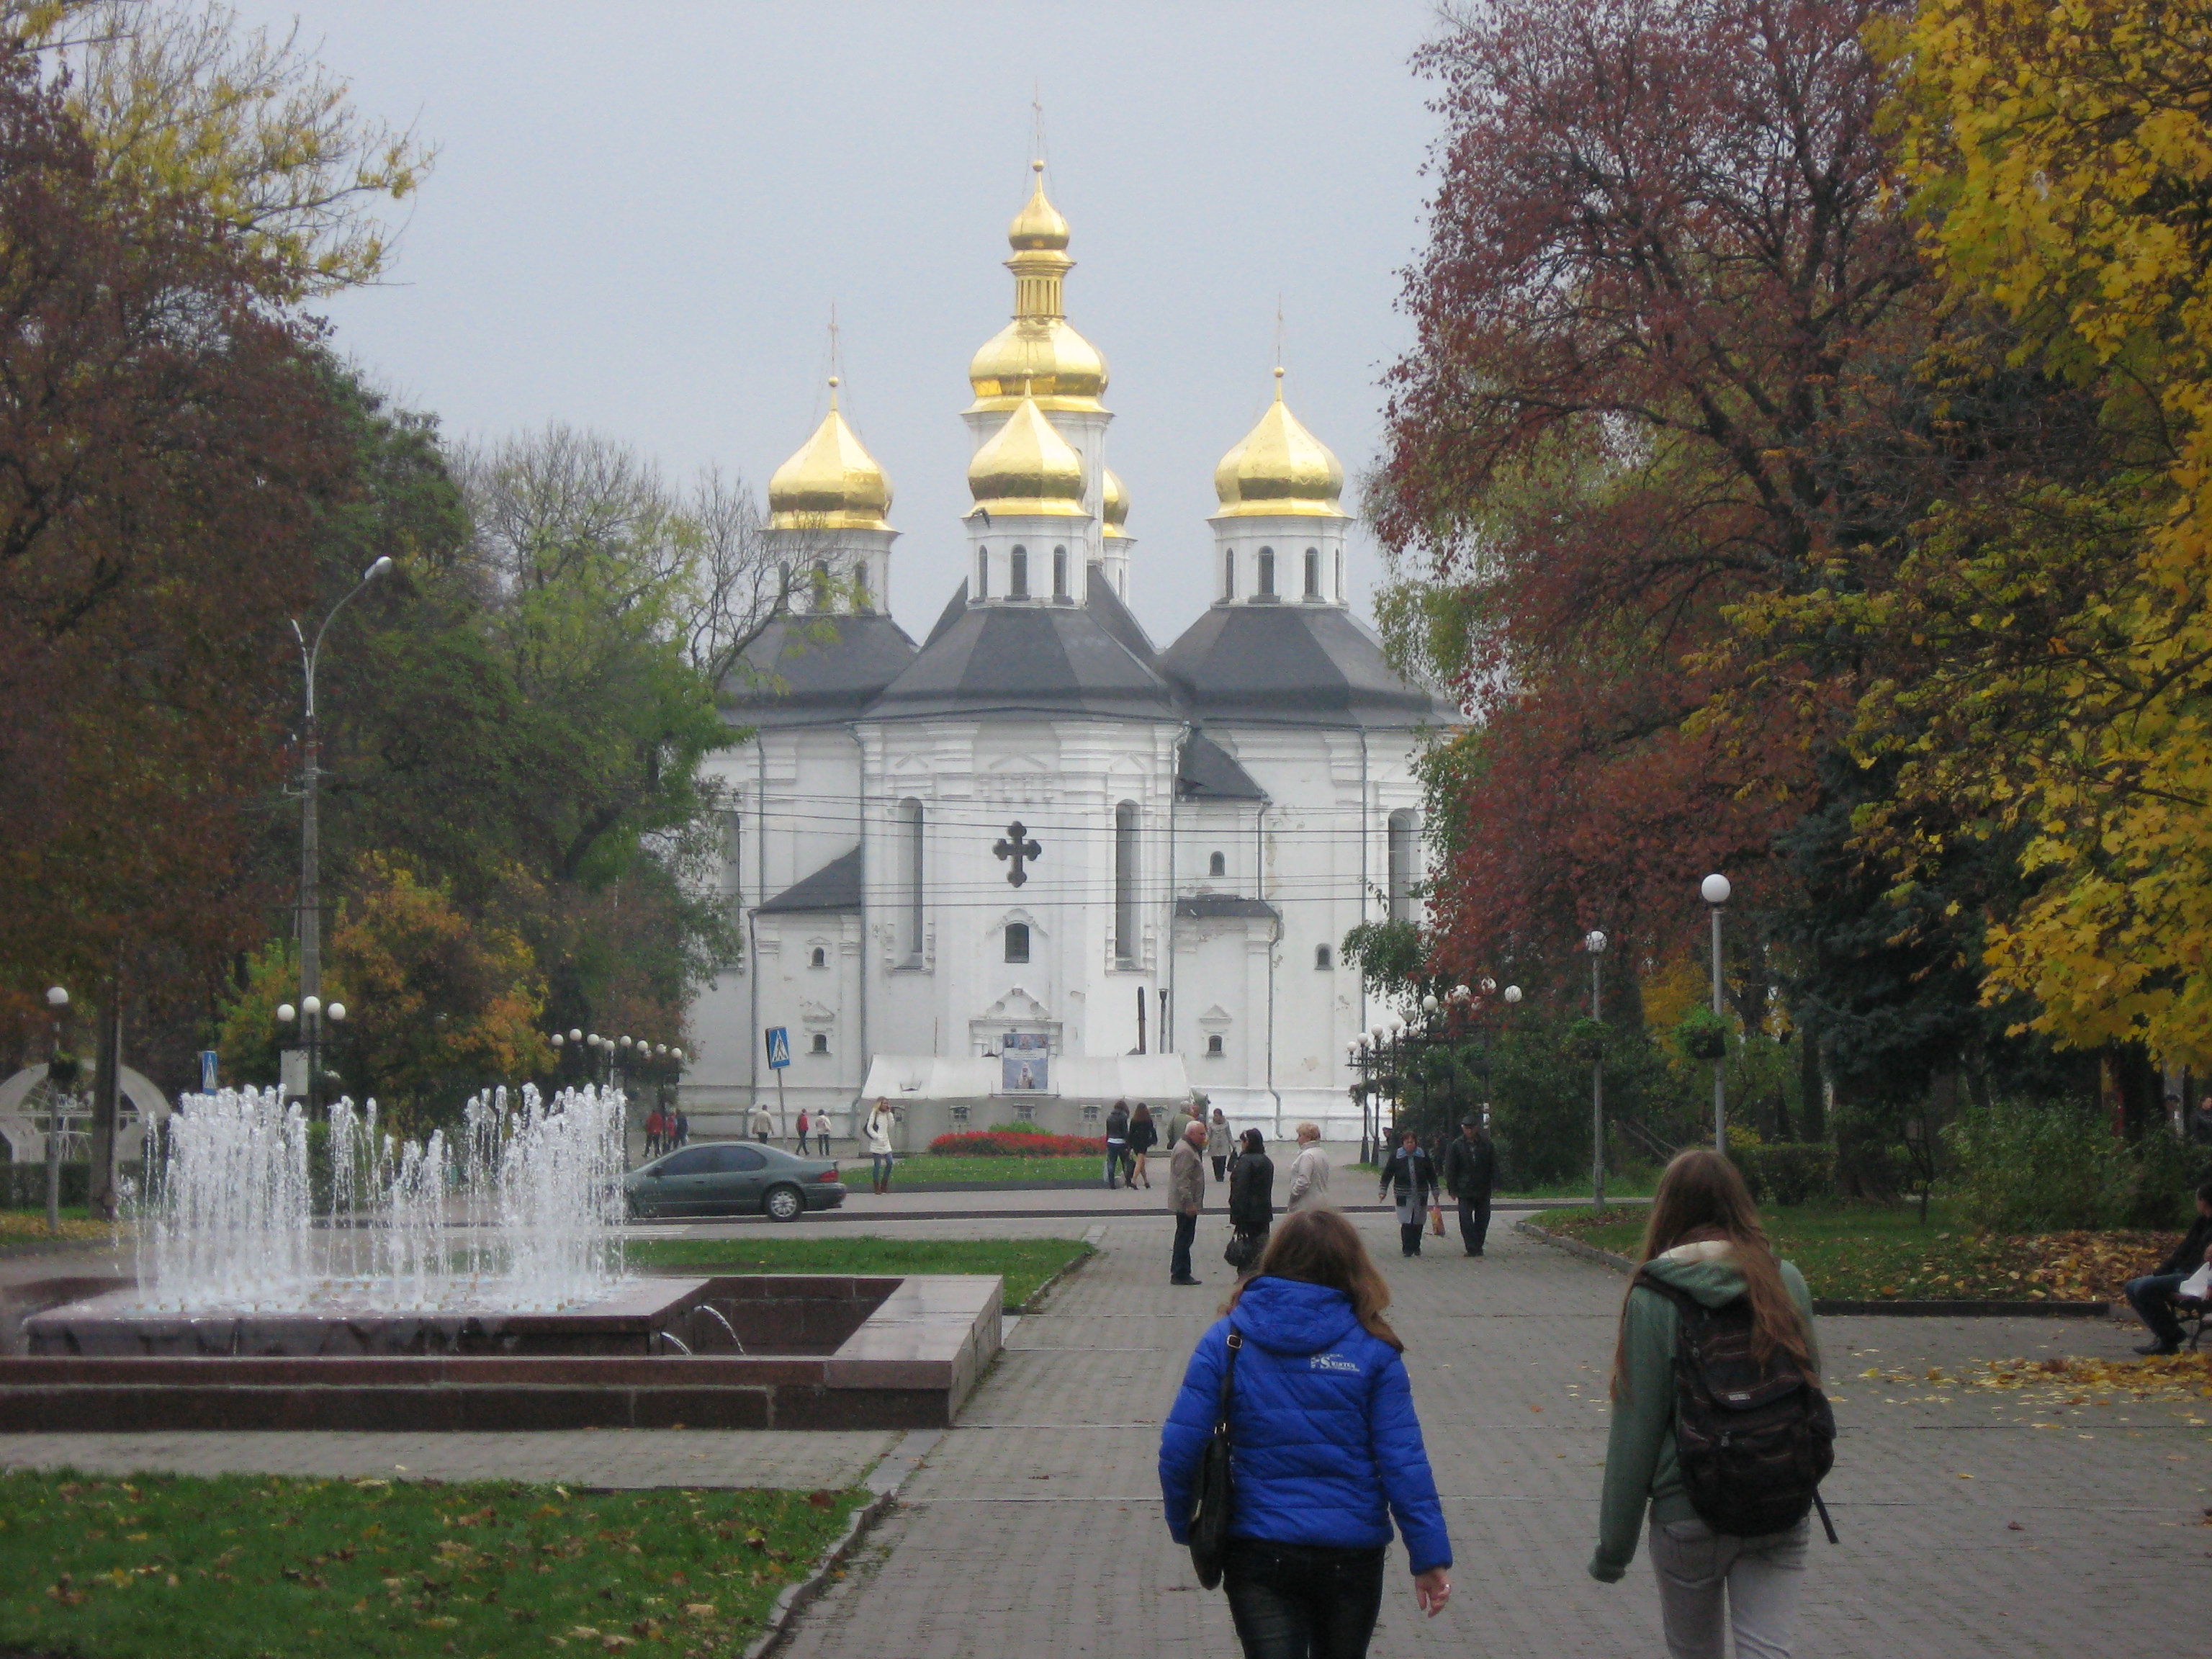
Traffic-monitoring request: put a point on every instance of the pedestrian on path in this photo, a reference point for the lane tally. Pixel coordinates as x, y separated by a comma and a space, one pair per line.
1218, 1139
1252, 1197
877, 1134
1117, 1143
1143, 1136
1309, 1186
682, 1125
764, 1122
1470, 1174
805, 1124
822, 1133
1186, 1197
1325, 1444
1704, 1247
656, 1126
1411, 1177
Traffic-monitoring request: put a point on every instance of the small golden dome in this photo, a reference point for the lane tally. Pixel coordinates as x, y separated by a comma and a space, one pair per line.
1114, 505
1281, 470
1027, 468
831, 483
1038, 225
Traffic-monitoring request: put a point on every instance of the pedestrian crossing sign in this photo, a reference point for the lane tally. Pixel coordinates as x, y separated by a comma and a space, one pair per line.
779, 1047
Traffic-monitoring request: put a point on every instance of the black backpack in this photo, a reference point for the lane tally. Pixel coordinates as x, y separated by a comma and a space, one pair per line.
1754, 1441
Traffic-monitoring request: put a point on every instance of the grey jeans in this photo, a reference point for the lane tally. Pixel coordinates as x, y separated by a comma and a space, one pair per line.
1708, 1580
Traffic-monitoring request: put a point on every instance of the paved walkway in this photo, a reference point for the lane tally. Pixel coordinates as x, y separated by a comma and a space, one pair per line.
1035, 1528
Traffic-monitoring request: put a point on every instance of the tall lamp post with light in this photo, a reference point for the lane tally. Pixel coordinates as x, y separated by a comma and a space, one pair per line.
1595, 942
308, 1018
1714, 890
61, 1076
311, 902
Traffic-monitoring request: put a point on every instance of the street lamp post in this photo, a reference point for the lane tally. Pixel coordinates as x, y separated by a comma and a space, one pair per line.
1594, 942
57, 999
1714, 890
308, 1017
311, 911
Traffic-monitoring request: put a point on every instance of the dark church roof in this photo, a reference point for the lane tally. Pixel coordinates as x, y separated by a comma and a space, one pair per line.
834, 886
1224, 904
1293, 664
1209, 772
800, 677
1035, 656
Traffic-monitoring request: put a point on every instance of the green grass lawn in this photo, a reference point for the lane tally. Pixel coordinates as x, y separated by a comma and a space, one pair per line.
1010, 1171
1025, 1263
1876, 1253
159, 1567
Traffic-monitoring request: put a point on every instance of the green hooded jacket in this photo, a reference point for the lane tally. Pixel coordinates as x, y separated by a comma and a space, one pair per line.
1641, 1472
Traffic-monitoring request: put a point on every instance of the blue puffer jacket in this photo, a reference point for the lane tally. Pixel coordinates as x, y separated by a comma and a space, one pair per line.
1323, 1441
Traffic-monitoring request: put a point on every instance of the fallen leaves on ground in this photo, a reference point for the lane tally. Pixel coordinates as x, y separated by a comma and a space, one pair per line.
2069, 1381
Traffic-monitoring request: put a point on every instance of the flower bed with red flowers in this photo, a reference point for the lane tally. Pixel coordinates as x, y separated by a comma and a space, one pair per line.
1009, 1143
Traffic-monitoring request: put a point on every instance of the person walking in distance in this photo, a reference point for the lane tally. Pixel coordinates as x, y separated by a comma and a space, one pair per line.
656, 1129
682, 1127
1309, 1186
822, 1134
1252, 1195
1408, 1179
1218, 1142
1470, 1172
1143, 1136
1713, 1309
877, 1135
1186, 1197
764, 1122
805, 1124
1117, 1141
1325, 1444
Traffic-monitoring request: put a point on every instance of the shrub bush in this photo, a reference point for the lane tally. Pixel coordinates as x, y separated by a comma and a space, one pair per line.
2022, 1167
1016, 1143
1787, 1172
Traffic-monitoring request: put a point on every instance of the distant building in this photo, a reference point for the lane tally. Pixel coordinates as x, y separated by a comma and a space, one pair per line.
1036, 864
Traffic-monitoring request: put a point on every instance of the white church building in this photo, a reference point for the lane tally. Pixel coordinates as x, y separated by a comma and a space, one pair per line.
1034, 864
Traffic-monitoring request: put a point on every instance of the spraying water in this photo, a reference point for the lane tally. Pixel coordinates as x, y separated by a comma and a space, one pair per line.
521, 1212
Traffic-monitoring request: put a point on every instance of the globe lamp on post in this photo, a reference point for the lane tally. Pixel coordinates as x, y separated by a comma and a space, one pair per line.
1595, 942
1714, 890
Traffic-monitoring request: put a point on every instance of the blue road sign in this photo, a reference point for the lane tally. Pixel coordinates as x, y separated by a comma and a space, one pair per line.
208, 1073
779, 1047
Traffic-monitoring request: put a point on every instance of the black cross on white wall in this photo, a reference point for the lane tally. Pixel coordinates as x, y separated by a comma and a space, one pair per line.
1015, 847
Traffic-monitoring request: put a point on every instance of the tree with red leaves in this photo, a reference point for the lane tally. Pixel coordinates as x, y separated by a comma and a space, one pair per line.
1665, 266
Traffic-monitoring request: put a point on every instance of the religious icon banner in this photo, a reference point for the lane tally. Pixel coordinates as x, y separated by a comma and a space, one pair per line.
1026, 1059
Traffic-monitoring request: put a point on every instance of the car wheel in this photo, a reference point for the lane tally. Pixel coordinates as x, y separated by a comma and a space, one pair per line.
784, 1204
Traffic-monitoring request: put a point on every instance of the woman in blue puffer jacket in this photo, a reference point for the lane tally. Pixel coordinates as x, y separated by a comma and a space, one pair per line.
1324, 1448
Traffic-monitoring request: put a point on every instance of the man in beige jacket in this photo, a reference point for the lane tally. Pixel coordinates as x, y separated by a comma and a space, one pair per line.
1185, 1196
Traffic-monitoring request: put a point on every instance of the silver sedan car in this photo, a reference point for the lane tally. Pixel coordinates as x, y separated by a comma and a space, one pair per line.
733, 1177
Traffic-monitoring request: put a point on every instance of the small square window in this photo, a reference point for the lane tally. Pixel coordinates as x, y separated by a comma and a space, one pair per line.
1214, 1043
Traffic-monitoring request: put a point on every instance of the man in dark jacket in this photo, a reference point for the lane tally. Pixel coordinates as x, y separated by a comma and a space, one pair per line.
1117, 1142
1408, 1180
1470, 1172
2153, 1295
1252, 1194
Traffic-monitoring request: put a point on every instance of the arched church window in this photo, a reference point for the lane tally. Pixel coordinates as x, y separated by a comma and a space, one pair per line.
1214, 1044
1125, 883
1017, 573
1340, 575
1229, 573
820, 584
1267, 572
821, 1042
1402, 866
864, 597
1313, 572
1324, 959
1018, 941
910, 869
821, 957
1217, 864
1060, 573
982, 573
783, 581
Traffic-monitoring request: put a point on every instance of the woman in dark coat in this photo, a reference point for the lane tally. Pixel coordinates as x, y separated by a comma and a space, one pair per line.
1252, 1193
1143, 1136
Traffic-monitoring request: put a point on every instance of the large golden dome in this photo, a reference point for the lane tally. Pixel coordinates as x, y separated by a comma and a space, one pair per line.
831, 483
1027, 468
1279, 470
1037, 355
1114, 507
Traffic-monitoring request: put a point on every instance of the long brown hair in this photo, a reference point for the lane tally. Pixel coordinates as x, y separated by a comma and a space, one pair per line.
1702, 1196
1320, 1247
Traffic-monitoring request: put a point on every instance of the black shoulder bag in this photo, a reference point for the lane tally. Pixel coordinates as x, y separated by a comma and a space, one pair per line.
1210, 1499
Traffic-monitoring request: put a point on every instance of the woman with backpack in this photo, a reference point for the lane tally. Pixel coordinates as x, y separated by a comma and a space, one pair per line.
1725, 1453
1324, 1446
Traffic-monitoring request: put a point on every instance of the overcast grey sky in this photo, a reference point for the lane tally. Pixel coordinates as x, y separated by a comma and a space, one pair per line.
642, 213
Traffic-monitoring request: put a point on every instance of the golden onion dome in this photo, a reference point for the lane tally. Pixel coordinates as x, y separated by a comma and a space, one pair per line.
831, 483
1039, 224
1027, 468
1114, 505
1037, 355
1279, 470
